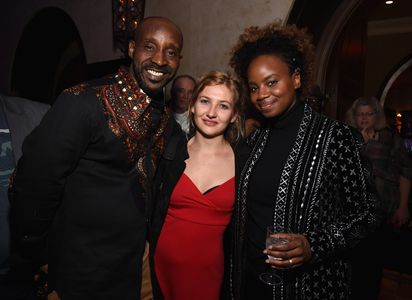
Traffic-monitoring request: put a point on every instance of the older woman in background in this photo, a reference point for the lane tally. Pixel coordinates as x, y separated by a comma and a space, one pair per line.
392, 171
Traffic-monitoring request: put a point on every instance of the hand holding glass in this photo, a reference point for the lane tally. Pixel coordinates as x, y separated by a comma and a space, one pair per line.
271, 277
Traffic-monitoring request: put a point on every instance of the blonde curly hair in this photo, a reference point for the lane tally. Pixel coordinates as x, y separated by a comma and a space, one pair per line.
289, 43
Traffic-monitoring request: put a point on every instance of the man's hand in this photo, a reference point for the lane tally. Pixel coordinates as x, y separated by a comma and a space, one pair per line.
400, 218
367, 134
53, 296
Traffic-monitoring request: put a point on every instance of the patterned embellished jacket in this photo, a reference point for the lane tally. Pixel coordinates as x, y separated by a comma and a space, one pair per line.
325, 193
84, 181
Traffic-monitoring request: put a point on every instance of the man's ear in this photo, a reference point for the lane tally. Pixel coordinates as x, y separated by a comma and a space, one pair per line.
131, 48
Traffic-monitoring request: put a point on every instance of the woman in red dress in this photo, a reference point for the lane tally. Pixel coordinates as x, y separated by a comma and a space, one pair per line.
195, 195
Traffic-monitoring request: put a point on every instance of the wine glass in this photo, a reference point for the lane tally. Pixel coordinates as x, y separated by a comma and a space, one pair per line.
270, 277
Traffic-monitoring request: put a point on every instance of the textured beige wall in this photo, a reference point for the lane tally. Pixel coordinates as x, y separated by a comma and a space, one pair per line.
211, 27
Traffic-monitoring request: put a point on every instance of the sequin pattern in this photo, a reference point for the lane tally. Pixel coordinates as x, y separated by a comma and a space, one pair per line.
129, 115
77, 89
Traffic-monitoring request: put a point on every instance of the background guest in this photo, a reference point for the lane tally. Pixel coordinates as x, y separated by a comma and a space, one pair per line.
18, 117
392, 172
181, 92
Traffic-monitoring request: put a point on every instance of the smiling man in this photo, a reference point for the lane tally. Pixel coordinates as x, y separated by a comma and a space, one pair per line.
83, 183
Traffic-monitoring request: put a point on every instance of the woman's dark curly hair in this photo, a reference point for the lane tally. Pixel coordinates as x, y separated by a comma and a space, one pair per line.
289, 43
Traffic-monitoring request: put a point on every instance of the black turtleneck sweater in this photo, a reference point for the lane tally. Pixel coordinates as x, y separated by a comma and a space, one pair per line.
264, 184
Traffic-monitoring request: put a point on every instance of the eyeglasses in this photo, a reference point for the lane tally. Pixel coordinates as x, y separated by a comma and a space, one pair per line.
365, 114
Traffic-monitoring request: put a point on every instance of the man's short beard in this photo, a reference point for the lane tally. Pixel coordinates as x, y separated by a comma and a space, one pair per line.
155, 95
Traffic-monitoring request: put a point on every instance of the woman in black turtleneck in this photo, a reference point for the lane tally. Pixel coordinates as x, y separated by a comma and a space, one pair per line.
304, 174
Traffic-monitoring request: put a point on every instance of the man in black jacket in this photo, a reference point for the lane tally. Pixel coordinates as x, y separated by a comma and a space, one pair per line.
85, 174
18, 117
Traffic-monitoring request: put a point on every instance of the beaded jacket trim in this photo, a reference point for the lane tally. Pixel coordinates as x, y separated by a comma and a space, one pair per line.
129, 116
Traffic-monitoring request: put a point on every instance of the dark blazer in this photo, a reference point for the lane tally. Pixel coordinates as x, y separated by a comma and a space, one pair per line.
77, 185
22, 116
170, 169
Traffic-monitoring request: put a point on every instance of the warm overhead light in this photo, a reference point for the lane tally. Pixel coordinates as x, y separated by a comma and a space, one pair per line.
389, 2
399, 115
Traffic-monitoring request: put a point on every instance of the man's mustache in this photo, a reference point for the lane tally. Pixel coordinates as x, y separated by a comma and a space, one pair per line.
155, 67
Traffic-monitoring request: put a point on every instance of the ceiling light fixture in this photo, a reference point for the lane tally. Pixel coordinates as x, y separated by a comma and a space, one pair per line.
389, 2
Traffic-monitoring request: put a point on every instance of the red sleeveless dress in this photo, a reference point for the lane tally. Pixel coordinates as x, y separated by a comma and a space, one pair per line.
189, 253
